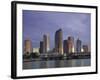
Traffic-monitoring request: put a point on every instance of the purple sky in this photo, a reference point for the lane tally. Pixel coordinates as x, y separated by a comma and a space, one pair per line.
37, 23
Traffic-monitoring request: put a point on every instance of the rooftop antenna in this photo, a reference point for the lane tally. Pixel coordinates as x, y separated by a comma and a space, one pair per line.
79, 34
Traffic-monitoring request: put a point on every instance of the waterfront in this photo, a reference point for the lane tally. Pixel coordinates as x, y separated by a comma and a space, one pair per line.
39, 64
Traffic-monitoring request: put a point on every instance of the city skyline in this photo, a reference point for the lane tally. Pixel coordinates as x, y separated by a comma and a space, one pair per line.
61, 46
38, 23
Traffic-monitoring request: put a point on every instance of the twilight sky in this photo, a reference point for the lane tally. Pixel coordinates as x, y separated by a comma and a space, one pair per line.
38, 23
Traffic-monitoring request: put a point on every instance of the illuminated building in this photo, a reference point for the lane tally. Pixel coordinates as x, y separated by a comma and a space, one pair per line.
35, 50
27, 47
85, 48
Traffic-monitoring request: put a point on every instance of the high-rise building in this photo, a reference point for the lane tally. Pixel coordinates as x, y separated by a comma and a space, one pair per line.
70, 44
27, 47
78, 46
59, 41
65, 46
46, 45
41, 47
85, 48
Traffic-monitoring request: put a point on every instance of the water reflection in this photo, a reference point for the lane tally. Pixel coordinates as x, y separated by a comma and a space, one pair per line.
56, 63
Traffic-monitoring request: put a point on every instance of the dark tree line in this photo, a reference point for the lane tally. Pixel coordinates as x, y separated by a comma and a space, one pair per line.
30, 55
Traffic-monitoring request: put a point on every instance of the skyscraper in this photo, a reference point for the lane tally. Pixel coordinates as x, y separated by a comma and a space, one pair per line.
65, 46
70, 44
85, 48
78, 46
59, 41
41, 47
27, 47
46, 45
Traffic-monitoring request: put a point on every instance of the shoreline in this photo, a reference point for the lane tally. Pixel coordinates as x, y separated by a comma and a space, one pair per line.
57, 58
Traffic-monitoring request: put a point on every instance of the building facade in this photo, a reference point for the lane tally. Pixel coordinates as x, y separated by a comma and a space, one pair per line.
85, 48
59, 41
27, 47
35, 50
78, 46
65, 46
41, 47
46, 43
70, 43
